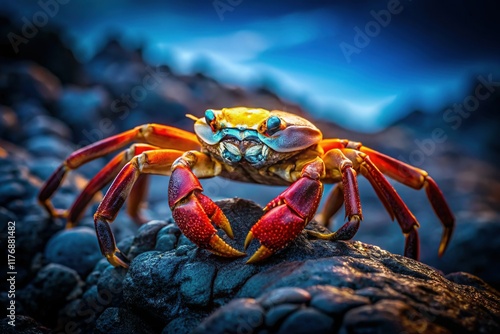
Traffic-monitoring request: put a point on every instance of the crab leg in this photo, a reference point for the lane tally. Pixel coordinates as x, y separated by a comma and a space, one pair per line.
384, 190
195, 213
150, 162
337, 162
106, 175
286, 216
155, 134
417, 178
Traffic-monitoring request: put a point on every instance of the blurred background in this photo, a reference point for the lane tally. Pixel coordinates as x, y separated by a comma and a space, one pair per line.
417, 80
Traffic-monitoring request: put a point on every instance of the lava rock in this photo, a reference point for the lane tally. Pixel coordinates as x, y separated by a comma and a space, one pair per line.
116, 320
307, 321
23, 324
53, 287
317, 280
76, 248
240, 315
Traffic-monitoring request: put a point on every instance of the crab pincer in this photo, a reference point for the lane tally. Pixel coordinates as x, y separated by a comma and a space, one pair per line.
285, 217
196, 214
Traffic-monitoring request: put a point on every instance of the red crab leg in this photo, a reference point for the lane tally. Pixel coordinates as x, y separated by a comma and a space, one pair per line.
336, 161
288, 214
417, 178
105, 175
155, 134
386, 192
149, 162
195, 213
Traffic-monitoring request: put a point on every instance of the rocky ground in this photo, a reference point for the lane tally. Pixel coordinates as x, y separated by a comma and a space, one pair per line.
50, 105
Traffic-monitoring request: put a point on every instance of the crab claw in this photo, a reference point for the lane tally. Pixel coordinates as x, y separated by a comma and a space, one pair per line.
196, 214
286, 217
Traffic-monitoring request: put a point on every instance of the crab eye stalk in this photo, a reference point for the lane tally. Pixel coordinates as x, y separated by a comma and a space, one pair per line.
273, 125
210, 119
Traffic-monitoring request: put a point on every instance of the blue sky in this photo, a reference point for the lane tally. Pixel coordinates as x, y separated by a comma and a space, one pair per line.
425, 58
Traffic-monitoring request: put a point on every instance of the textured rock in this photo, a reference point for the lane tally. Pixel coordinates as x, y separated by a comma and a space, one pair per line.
76, 248
118, 320
53, 287
24, 324
312, 285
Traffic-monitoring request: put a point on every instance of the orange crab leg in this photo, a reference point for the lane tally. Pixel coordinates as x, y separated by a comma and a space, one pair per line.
288, 214
417, 178
149, 162
194, 212
155, 134
105, 175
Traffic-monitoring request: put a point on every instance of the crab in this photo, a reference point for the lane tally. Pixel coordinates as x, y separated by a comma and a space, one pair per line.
250, 145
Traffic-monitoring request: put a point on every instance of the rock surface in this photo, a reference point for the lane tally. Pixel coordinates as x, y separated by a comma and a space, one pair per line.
313, 285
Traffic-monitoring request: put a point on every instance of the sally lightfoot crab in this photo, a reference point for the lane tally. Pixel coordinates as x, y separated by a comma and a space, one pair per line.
250, 145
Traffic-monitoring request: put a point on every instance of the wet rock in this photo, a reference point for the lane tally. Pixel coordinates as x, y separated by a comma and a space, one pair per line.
284, 295
75, 248
336, 301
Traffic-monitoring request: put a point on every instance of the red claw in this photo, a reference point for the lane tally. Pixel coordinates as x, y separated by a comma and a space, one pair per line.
195, 213
286, 217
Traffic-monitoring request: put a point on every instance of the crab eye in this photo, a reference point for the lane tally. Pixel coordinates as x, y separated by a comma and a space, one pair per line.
273, 124
210, 119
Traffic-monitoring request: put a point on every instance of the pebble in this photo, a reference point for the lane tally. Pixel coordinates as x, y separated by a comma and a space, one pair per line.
10, 191
336, 301
43, 125
76, 248
284, 295
276, 314
239, 316
49, 146
307, 321
145, 238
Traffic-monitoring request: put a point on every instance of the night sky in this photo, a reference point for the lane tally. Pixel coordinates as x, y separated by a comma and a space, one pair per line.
374, 61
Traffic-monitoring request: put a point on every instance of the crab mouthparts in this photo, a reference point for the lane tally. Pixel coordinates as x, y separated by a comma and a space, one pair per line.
234, 151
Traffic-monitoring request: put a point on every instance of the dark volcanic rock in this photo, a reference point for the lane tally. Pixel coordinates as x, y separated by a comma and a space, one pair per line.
76, 248
313, 285
23, 324
119, 320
